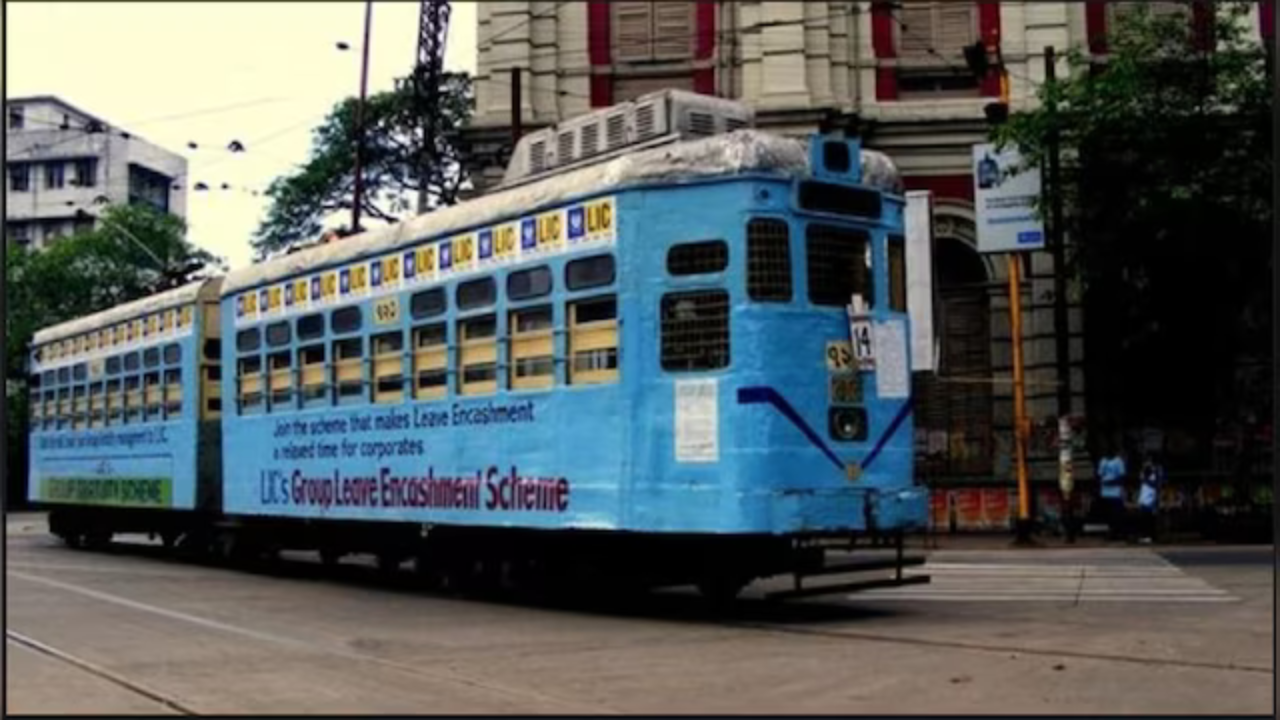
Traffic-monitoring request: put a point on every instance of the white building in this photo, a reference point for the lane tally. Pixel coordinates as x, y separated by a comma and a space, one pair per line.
899, 67
62, 162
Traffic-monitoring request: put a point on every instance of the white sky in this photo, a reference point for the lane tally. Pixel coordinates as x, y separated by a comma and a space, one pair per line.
136, 65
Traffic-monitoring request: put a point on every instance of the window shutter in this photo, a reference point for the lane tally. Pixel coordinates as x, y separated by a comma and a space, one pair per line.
915, 39
957, 28
633, 23
673, 29
946, 27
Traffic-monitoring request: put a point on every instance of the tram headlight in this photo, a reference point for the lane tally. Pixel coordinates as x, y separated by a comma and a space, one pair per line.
847, 424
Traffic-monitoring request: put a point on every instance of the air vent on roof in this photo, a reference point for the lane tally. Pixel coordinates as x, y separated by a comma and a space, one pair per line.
701, 124
615, 131
590, 139
538, 156
644, 121
564, 151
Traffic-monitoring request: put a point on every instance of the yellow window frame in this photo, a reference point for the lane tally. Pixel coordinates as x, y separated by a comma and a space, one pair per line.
590, 337
388, 363
430, 357
477, 351
537, 343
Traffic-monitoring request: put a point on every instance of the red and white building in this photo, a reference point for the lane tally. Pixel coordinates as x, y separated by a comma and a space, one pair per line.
900, 68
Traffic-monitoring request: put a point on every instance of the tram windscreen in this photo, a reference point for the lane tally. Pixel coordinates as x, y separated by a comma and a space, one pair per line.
839, 200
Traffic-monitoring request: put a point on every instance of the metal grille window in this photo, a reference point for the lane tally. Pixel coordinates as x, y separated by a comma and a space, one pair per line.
428, 303
696, 258
527, 284
80, 409
477, 293
768, 260
348, 368
897, 251
173, 391
837, 263
931, 36
589, 272
311, 364
131, 362
250, 377
64, 373
132, 398
478, 355
593, 341
280, 378
114, 402
649, 31
695, 330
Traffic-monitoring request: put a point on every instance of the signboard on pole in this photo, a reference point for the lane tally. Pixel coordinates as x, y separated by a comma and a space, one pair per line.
1005, 196
918, 219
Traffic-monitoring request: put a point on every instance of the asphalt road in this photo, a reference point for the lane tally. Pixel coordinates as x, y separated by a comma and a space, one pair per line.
1086, 631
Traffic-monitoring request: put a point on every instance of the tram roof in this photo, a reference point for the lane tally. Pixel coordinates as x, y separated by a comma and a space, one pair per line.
206, 289
741, 151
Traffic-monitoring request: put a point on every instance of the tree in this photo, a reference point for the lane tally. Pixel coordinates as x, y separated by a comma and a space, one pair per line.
79, 275
1167, 168
392, 168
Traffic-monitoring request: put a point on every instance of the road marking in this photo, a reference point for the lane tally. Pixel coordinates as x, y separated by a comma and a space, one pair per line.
452, 677
1145, 579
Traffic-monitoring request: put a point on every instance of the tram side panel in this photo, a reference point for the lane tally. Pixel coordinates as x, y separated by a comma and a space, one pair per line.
116, 446
346, 398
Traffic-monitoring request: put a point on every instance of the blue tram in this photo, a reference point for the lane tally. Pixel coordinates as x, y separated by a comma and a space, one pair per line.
678, 359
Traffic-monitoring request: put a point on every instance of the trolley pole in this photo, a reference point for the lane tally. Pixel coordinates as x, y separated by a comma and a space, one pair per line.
359, 130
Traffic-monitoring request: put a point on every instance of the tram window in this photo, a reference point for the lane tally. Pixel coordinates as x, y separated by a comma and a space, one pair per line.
278, 334
695, 330
131, 362
248, 340
478, 355
97, 413
593, 341
212, 392
113, 365
115, 402
172, 354
428, 303
50, 414
64, 375
837, 264
34, 381
50, 378
528, 284
280, 377
388, 367
532, 348
311, 364
213, 349
64, 407
589, 272
897, 273
477, 293
696, 258
79, 372
153, 393
348, 375
345, 320
768, 260
132, 398
250, 376
151, 357
172, 392
311, 326
430, 361
80, 407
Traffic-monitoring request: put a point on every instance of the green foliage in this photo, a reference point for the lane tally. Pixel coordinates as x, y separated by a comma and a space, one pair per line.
301, 202
1167, 172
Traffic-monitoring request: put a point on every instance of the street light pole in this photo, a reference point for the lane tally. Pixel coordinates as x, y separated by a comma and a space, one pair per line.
359, 129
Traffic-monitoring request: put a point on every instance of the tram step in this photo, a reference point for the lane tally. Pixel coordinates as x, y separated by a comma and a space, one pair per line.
863, 566
856, 586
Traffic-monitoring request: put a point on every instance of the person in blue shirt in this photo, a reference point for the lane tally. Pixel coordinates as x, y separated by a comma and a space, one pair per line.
1111, 473
1150, 478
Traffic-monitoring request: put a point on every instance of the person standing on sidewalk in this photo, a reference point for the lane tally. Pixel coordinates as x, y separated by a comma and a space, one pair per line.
1150, 479
1111, 472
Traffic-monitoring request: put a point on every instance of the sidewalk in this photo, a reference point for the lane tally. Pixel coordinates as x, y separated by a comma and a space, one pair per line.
1004, 541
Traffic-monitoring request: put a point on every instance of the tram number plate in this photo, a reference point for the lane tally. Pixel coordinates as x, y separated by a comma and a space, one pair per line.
864, 350
839, 355
386, 311
846, 389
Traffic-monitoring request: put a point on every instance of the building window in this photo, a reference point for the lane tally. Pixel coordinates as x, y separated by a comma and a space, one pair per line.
86, 172
16, 117
148, 187
931, 37
54, 175
652, 31
19, 177
19, 232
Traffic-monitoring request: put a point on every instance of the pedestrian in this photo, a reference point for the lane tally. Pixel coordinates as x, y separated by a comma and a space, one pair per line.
1150, 480
1111, 473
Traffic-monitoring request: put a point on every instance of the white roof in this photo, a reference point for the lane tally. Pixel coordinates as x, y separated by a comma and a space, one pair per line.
741, 151
206, 289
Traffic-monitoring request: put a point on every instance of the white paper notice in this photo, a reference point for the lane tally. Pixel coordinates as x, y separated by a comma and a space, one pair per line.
893, 376
697, 421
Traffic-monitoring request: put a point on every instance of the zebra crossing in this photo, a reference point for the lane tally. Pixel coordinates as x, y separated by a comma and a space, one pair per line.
1084, 576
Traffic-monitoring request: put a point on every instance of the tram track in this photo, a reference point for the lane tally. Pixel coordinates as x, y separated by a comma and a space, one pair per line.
449, 677
83, 665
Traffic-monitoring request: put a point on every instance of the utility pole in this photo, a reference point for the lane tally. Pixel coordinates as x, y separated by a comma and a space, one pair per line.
359, 129
433, 28
1061, 320
516, 128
